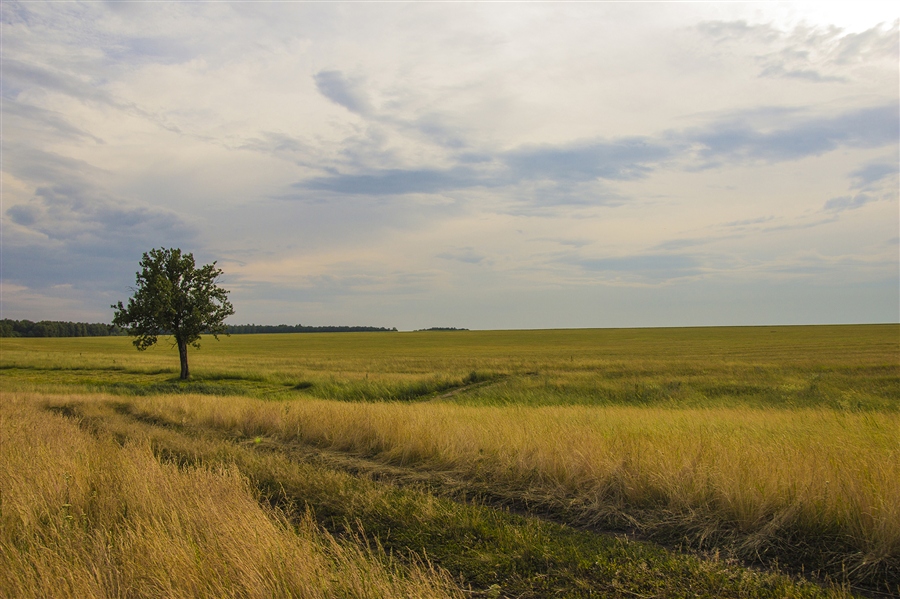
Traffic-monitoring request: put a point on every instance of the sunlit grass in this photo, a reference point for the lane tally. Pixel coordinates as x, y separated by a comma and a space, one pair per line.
84, 517
761, 479
773, 443
499, 553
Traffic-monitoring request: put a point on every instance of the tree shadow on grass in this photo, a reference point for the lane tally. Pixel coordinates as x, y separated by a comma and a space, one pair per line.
118, 381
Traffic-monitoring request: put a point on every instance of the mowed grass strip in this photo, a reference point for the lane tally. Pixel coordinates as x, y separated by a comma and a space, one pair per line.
85, 517
489, 552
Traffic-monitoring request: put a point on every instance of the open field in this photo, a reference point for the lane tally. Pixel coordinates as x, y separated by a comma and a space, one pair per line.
488, 463
843, 367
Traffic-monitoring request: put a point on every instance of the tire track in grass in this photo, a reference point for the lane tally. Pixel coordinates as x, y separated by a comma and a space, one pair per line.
449, 485
416, 515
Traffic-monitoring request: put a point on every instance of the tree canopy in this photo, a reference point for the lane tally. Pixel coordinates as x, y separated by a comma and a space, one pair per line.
173, 297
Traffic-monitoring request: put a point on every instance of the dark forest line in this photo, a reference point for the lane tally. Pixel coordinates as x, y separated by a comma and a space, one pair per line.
59, 328
56, 328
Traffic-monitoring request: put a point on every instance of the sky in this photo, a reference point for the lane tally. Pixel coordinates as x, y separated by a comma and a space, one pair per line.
457, 164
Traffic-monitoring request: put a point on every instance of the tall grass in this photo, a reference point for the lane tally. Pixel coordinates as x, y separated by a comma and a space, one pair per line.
489, 551
84, 517
780, 482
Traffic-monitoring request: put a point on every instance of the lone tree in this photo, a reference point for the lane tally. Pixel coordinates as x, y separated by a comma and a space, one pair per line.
172, 297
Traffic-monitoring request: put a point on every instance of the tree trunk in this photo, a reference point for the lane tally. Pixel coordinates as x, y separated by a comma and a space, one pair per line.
182, 353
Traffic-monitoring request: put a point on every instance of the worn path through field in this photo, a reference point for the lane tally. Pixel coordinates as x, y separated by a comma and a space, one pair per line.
494, 544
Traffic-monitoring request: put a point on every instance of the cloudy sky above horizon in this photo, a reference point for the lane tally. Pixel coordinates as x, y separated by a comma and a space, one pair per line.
480, 165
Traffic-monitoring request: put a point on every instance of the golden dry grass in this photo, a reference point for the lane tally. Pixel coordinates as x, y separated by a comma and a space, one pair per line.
83, 517
817, 475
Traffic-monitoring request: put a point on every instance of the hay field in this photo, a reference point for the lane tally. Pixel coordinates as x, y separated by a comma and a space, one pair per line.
759, 445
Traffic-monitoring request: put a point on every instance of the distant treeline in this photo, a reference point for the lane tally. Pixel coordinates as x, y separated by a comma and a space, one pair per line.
242, 329
56, 328
440, 329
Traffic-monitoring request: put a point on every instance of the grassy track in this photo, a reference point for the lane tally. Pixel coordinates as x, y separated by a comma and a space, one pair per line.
812, 488
85, 517
489, 552
771, 445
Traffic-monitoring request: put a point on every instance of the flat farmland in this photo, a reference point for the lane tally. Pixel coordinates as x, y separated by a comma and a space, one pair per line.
716, 462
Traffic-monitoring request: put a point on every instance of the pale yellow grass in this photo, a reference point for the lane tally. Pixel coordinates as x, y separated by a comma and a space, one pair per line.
82, 517
826, 476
